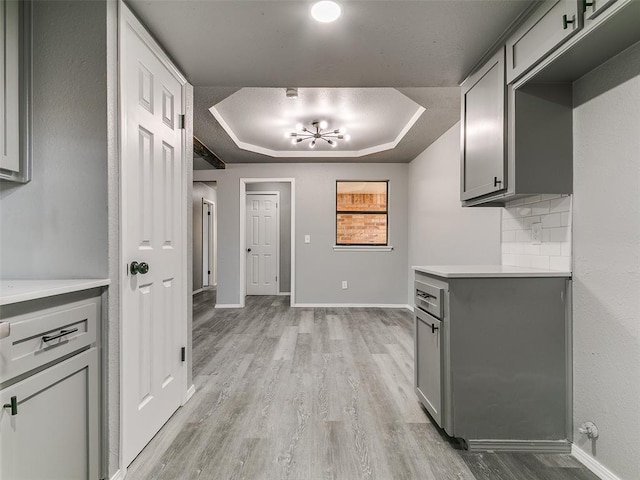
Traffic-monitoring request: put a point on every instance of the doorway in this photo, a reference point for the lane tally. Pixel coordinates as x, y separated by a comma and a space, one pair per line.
209, 244
286, 244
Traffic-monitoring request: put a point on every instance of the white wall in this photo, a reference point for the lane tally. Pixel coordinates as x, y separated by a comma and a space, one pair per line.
374, 277
441, 232
606, 273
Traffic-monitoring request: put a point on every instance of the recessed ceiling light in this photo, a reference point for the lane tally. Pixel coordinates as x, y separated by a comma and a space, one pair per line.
326, 11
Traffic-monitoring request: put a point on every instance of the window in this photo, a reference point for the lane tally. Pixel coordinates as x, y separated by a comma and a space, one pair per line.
362, 212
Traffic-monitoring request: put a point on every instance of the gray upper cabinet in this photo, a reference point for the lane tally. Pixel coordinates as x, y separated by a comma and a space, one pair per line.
548, 27
483, 143
593, 8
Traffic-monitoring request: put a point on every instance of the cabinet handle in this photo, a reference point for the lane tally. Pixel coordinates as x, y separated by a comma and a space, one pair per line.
496, 182
13, 405
566, 22
433, 328
48, 338
586, 5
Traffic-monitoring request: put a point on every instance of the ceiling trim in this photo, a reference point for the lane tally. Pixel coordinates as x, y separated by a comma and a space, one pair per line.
316, 153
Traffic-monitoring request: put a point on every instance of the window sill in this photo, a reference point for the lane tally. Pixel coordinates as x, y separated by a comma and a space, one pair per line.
362, 248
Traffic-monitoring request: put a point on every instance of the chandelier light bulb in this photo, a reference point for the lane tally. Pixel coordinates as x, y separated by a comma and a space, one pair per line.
299, 126
342, 130
288, 135
326, 11
323, 124
294, 141
347, 138
312, 144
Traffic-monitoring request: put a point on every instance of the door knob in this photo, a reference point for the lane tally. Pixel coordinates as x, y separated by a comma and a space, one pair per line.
139, 268
248, 249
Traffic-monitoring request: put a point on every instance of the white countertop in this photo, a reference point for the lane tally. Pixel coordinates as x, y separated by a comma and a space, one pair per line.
487, 271
14, 291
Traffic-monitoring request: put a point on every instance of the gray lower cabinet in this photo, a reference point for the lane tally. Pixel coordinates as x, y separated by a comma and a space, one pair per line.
54, 431
495, 370
483, 142
428, 363
551, 24
49, 388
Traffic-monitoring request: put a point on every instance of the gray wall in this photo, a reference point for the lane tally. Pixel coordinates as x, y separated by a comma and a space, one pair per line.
374, 277
440, 230
200, 191
285, 228
606, 272
56, 225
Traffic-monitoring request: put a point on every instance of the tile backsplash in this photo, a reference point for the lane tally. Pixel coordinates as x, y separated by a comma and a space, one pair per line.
554, 213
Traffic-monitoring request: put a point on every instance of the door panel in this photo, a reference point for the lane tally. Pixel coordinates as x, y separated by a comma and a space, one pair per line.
262, 241
152, 183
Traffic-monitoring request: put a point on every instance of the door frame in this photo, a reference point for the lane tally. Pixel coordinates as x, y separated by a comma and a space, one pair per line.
277, 194
211, 252
243, 235
126, 19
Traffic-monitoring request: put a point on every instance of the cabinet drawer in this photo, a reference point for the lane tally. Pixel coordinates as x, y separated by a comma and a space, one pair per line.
547, 28
53, 432
41, 337
429, 298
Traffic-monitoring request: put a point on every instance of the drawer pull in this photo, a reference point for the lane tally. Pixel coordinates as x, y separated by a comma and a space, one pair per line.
566, 22
433, 328
13, 405
48, 338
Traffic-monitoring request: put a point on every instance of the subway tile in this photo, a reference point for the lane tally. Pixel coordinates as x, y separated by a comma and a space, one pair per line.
529, 249
540, 208
551, 248
565, 219
523, 235
529, 220
560, 234
546, 235
550, 196
531, 199
565, 249
559, 263
513, 203
562, 204
509, 236
523, 260
524, 211
509, 260
551, 220
540, 261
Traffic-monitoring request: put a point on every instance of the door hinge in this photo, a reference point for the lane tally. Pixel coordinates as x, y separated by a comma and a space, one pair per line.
183, 353
181, 121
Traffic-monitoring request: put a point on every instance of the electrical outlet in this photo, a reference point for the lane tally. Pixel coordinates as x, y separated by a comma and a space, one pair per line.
345, 285
307, 239
536, 233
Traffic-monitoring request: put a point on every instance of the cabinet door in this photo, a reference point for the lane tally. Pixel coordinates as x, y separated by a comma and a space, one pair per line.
54, 434
428, 364
547, 28
483, 147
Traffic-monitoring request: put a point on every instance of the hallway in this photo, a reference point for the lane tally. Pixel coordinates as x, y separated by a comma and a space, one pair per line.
314, 393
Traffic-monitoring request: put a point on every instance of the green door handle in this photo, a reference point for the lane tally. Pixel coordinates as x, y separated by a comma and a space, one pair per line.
138, 268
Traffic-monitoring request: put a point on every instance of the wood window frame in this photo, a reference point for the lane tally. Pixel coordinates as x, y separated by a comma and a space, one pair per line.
366, 212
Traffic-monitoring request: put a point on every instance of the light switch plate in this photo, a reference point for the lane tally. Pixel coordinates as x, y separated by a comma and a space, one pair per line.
307, 239
536, 233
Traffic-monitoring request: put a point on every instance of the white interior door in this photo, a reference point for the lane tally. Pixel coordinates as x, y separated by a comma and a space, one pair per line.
153, 208
206, 240
262, 243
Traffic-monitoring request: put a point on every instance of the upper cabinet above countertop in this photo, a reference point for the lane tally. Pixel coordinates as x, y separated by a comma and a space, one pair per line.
517, 107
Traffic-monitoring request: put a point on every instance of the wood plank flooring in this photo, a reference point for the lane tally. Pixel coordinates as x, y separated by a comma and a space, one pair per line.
311, 394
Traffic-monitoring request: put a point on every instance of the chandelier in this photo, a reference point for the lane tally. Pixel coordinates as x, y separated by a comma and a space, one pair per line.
318, 131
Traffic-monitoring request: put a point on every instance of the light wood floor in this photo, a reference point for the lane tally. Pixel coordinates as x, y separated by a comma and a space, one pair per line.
315, 393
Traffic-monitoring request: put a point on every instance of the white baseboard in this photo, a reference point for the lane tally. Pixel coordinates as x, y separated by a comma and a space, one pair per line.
228, 305
349, 305
284, 293
189, 394
118, 475
198, 291
592, 464
409, 307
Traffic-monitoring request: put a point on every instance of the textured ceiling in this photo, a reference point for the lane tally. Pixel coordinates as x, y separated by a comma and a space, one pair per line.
423, 48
